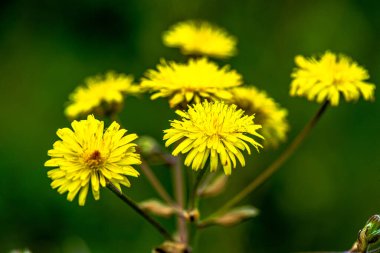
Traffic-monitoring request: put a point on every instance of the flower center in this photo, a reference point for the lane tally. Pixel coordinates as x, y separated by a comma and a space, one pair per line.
93, 159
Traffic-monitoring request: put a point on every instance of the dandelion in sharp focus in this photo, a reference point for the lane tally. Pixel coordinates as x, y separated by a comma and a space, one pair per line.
88, 156
213, 131
200, 38
101, 95
193, 82
329, 77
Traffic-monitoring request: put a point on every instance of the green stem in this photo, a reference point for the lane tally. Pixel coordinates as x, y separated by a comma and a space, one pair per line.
268, 172
136, 208
179, 194
193, 202
194, 236
156, 184
160, 189
193, 208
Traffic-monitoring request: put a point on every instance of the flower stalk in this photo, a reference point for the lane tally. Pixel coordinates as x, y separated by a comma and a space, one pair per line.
194, 198
156, 184
141, 212
271, 169
179, 195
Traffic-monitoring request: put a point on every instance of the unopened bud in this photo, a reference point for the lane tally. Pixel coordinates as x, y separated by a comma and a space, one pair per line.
148, 145
157, 208
171, 247
236, 216
373, 228
368, 235
215, 187
20, 251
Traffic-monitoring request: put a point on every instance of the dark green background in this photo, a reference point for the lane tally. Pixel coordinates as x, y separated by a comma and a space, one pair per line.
319, 199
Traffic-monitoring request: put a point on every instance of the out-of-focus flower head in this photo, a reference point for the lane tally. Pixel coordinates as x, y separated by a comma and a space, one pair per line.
267, 113
192, 82
100, 95
200, 38
330, 77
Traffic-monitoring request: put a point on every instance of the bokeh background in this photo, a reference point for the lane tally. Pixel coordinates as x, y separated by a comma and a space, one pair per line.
317, 202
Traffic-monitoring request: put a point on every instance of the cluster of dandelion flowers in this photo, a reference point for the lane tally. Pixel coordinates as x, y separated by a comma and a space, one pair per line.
213, 131
200, 38
192, 82
88, 155
329, 77
101, 94
267, 113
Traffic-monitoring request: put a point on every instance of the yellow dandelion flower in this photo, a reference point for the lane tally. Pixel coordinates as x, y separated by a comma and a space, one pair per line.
267, 113
89, 155
213, 130
103, 94
190, 83
200, 38
329, 77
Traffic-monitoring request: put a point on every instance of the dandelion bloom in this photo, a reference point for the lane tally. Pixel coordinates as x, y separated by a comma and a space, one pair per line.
100, 94
267, 113
89, 155
200, 38
329, 77
215, 130
190, 83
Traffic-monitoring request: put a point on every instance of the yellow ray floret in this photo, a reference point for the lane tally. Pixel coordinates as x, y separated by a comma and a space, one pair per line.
329, 77
89, 157
267, 113
193, 82
200, 38
98, 91
214, 132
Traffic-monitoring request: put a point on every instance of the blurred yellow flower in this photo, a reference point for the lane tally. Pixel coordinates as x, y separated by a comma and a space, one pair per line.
190, 83
101, 94
90, 155
327, 78
215, 130
200, 38
267, 113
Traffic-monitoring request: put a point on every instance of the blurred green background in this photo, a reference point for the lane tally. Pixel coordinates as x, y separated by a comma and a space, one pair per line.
318, 200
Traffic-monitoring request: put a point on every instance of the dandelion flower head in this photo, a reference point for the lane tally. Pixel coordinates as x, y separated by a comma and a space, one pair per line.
88, 156
267, 113
193, 82
200, 38
329, 77
100, 93
213, 131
